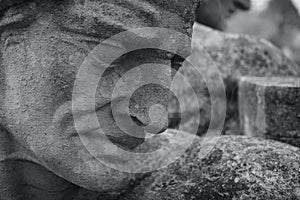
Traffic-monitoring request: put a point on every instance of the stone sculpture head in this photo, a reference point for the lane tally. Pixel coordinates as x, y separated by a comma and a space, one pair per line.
42, 46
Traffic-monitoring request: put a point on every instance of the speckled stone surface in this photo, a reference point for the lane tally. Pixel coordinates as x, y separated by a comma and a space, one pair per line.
238, 168
235, 56
42, 45
270, 108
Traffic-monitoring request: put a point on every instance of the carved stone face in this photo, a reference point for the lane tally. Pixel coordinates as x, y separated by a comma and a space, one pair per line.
213, 13
42, 47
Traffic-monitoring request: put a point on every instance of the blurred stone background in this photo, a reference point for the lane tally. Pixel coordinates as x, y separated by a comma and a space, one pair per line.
275, 20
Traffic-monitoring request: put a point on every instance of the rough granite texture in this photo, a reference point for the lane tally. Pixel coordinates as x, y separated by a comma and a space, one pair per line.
270, 108
238, 168
42, 45
235, 56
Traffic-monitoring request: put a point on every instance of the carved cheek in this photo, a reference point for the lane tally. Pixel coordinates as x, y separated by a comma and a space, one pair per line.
39, 75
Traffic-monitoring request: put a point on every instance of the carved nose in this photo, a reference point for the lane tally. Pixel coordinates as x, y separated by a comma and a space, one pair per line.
243, 4
158, 120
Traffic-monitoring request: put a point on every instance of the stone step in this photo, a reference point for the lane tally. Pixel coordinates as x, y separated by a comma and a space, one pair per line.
270, 108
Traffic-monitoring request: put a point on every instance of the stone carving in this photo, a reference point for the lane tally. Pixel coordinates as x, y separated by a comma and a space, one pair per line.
42, 45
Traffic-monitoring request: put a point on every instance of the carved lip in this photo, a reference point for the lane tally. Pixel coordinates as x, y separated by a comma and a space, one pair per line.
118, 137
84, 117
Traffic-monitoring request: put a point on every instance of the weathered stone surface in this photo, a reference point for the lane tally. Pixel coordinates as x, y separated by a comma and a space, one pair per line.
235, 56
270, 108
42, 46
238, 168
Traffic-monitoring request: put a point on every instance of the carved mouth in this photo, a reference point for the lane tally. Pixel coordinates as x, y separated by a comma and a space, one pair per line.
118, 137
137, 121
126, 142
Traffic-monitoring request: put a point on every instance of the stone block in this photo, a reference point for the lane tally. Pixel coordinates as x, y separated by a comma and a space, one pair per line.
270, 108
